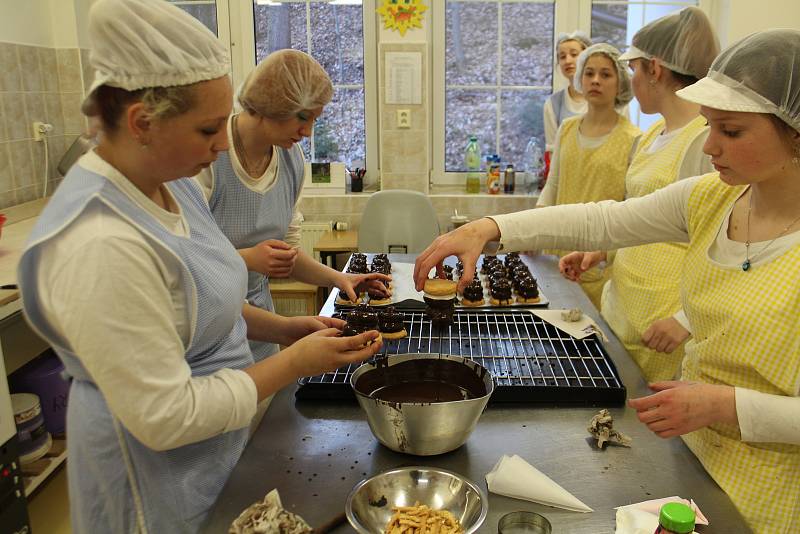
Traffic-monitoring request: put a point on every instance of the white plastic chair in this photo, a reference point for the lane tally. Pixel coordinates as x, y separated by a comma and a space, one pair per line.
398, 221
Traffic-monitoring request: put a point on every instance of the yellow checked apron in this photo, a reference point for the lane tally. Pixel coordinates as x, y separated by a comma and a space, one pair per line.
591, 175
746, 334
644, 285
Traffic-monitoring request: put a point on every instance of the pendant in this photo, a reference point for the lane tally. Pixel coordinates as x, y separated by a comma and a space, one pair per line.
746, 264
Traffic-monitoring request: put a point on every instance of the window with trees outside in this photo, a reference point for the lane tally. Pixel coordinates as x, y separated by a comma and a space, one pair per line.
494, 67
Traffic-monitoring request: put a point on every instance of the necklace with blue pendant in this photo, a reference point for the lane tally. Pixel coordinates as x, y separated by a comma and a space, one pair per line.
746, 265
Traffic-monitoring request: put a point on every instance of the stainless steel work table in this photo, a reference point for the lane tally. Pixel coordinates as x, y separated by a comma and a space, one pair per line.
314, 453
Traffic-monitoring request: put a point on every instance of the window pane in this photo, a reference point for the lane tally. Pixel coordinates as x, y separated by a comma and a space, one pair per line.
617, 23
340, 47
527, 44
337, 42
471, 53
468, 112
203, 10
279, 26
340, 134
520, 119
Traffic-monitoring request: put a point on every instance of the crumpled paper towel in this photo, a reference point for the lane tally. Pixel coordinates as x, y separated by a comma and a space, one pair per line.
514, 477
269, 517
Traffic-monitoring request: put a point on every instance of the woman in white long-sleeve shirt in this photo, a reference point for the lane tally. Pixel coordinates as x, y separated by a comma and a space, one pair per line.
130, 280
737, 403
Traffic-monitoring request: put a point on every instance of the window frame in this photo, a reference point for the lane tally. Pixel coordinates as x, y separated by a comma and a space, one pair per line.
569, 15
242, 46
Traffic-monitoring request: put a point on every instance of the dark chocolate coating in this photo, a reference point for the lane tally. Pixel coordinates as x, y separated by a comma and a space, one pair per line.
474, 292
363, 317
437, 303
389, 320
528, 289
501, 290
440, 317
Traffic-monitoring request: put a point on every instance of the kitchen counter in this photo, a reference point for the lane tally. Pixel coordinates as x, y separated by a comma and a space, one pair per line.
314, 453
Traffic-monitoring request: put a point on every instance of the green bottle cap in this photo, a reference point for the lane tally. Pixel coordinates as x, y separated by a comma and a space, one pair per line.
677, 517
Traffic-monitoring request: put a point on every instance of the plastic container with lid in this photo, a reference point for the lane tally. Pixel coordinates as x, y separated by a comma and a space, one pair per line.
34, 439
675, 518
44, 376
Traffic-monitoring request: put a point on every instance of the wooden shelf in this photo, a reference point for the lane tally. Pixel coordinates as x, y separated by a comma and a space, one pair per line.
33, 474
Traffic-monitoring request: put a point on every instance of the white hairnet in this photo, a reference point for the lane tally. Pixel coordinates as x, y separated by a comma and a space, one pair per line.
285, 83
758, 74
137, 44
577, 35
684, 41
624, 91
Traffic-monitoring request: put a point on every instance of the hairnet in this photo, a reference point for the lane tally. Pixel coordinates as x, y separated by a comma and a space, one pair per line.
577, 35
286, 82
757, 74
137, 44
624, 91
684, 41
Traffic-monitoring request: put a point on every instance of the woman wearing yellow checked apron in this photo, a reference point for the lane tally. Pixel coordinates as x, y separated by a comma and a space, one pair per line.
641, 301
737, 403
592, 151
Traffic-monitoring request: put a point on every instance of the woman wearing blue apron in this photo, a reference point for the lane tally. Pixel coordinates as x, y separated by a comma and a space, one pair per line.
253, 189
128, 277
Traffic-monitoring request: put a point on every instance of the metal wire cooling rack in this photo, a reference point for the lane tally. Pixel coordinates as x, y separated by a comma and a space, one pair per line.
531, 360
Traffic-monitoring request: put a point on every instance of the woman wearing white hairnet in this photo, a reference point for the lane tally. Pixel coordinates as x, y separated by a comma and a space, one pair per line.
736, 405
253, 190
130, 280
592, 151
641, 302
569, 101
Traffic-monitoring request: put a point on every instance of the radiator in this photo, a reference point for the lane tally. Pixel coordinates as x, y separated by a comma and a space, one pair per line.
310, 232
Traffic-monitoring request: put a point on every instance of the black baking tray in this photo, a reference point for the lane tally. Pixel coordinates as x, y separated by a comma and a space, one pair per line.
531, 360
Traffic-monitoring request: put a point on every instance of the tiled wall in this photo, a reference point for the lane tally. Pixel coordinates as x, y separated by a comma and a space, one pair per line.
37, 84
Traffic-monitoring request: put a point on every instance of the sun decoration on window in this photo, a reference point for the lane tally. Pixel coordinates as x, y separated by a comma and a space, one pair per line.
401, 15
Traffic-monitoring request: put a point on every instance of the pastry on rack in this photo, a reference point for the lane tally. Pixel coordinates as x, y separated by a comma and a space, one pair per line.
473, 294
361, 319
391, 324
440, 296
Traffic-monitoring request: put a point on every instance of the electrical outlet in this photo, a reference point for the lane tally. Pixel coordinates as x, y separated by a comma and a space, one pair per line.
404, 118
40, 130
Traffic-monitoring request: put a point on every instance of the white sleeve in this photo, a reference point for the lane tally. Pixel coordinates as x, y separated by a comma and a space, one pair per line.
109, 299
695, 161
206, 180
657, 217
292, 236
768, 418
680, 316
550, 126
549, 193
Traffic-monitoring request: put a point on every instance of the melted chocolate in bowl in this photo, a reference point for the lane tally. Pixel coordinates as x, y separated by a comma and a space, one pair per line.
422, 381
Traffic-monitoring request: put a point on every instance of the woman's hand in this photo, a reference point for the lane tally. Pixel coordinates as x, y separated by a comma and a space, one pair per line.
681, 407
325, 351
292, 329
665, 335
574, 264
272, 257
353, 284
466, 242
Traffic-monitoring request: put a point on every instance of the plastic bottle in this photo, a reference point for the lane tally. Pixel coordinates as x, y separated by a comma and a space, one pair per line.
509, 179
493, 185
472, 159
675, 518
533, 164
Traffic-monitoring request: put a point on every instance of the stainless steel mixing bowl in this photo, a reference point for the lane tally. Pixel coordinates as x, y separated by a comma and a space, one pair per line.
369, 505
423, 428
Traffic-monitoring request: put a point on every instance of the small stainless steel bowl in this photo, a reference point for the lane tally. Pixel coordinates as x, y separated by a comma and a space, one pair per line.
424, 428
369, 505
524, 523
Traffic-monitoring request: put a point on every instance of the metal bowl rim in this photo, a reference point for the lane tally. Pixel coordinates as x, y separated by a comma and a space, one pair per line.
424, 356
348, 507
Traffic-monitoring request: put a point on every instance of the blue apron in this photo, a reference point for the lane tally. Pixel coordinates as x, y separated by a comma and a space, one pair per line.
560, 109
247, 218
116, 483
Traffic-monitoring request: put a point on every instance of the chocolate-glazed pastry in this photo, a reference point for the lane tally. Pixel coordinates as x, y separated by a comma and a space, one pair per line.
521, 279
500, 293
381, 262
521, 270
359, 256
528, 291
512, 258
358, 265
378, 299
361, 319
390, 323
448, 272
473, 294
383, 268
381, 257
440, 317
488, 261
459, 268
497, 275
